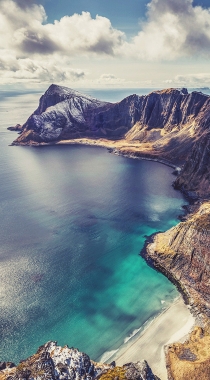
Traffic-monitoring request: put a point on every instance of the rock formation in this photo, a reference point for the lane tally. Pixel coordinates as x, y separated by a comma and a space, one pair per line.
64, 363
182, 254
171, 124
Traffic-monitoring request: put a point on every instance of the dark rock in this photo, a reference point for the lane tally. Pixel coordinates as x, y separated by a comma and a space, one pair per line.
186, 354
17, 127
139, 371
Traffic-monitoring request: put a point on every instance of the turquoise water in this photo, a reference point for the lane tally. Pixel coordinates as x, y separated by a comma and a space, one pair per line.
73, 221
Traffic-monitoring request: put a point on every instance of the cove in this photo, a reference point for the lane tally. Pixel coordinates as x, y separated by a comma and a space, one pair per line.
73, 221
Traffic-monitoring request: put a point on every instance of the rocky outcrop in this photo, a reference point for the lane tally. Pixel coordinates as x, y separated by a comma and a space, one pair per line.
64, 363
66, 114
190, 360
16, 128
183, 255
195, 175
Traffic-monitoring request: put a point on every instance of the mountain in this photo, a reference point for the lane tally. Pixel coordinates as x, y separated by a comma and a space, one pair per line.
66, 114
171, 125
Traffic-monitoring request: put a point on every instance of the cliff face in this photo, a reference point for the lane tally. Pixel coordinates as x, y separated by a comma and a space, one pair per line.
67, 114
169, 124
64, 363
183, 255
195, 175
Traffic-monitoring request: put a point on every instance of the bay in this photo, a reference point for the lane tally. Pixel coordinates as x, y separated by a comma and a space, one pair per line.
73, 221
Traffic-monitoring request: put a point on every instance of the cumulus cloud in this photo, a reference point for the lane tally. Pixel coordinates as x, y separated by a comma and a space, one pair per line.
23, 29
173, 29
200, 79
190, 80
13, 69
33, 48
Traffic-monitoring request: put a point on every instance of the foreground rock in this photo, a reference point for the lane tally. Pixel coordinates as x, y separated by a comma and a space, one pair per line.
64, 363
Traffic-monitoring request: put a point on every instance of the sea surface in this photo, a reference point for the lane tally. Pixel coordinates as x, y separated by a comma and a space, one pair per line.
73, 221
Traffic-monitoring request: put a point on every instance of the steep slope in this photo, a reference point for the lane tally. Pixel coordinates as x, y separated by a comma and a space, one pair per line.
195, 175
168, 121
183, 255
64, 363
66, 114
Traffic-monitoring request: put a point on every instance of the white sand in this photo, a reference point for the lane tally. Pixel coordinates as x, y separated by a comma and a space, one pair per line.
170, 326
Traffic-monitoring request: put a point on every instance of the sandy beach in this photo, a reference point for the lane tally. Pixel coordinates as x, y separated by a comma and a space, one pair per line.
172, 325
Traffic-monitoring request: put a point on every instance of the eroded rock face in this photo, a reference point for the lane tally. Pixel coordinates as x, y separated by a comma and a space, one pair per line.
195, 175
64, 363
183, 254
66, 114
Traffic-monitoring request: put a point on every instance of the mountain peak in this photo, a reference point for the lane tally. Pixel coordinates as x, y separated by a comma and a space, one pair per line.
62, 90
170, 91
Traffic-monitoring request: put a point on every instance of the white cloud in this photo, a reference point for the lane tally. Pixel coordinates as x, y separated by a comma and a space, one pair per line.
174, 29
110, 79
200, 79
33, 49
13, 69
23, 29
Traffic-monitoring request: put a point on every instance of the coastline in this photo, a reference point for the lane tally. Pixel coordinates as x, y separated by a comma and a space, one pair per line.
172, 325
118, 147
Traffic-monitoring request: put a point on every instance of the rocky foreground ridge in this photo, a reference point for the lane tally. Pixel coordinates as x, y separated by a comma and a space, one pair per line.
52, 362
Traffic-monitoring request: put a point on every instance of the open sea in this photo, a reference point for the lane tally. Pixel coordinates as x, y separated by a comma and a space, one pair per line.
73, 221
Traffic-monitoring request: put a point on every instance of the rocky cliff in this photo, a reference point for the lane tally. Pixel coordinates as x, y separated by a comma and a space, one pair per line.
65, 114
64, 363
182, 254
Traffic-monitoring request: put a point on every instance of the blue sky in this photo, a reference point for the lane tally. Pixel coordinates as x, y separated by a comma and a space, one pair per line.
97, 43
124, 14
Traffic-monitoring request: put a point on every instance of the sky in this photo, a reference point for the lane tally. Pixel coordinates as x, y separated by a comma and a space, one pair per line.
104, 43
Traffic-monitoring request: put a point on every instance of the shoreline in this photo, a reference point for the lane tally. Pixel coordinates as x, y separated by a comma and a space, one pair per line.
149, 344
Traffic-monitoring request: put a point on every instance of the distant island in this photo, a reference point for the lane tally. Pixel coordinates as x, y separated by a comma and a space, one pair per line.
171, 126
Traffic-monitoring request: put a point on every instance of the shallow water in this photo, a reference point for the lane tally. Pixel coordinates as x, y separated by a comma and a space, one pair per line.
73, 221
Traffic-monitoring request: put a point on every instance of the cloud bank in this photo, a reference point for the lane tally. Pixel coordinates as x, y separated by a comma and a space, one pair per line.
174, 29
33, 49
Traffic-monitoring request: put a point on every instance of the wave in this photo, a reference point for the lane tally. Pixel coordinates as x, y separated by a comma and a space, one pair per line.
107, 355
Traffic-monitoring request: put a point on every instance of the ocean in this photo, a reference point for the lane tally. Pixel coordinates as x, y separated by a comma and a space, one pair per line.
73, 222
